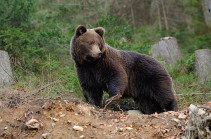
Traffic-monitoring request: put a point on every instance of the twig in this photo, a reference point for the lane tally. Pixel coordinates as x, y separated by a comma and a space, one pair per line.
120, 108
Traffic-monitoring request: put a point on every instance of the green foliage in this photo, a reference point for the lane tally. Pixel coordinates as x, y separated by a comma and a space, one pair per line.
202, 41
16, 12
117, 33
144, 37
20, 46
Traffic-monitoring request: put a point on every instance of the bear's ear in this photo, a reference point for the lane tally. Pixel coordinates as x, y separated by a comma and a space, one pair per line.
100, 31
80, 30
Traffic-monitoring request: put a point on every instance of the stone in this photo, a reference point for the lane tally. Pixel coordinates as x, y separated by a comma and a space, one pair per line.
166, 49
55, 119
62, 115
45, 135
5, 70
78, 128
128, 128
134, 112
121, 129
32, 124
201, 112
176, 120
87, 110
53, 124
192, 108
182, 116
203, 64
82, 136
69, 122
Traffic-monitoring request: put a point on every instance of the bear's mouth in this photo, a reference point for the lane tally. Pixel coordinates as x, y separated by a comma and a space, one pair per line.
90, 58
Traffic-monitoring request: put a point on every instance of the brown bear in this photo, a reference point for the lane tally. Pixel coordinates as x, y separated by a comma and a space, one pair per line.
120, 73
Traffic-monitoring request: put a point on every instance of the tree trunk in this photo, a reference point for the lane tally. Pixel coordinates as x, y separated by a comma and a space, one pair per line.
206, 5
5, 69
203, 64
164, 15
159, 17
132, 14
167, 49
199, 122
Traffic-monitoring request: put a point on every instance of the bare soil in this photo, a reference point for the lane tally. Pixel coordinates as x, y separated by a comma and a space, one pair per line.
57, 118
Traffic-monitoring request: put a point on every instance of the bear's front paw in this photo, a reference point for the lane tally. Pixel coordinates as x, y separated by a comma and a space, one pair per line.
112, 99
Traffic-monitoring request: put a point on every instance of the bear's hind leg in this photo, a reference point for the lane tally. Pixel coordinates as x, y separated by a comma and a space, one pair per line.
148, 106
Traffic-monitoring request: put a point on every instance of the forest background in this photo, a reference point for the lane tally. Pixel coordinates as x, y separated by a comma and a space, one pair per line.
37, 34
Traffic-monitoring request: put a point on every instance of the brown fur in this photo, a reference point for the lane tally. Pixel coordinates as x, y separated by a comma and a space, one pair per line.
120, 73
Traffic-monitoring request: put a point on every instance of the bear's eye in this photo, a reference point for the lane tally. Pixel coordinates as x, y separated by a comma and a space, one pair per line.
92, 42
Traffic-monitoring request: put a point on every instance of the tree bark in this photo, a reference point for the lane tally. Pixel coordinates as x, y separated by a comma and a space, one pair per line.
5, 70
203, 64
199, 122
167, 49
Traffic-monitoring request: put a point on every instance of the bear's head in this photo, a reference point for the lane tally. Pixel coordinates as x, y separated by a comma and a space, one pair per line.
87, 45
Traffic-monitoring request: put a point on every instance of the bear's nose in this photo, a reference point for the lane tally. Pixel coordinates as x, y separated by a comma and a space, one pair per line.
99, 53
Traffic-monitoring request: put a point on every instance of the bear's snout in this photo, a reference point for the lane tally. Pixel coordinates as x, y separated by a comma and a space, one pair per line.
99, 53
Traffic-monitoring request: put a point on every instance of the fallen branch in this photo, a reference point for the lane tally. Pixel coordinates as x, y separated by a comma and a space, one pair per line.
35, 92
192, 94
59, 92
202, 106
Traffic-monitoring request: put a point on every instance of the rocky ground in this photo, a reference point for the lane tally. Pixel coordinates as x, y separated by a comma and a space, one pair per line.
25, 116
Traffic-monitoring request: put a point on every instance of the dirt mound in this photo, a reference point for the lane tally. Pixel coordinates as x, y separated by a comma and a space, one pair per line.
23, 117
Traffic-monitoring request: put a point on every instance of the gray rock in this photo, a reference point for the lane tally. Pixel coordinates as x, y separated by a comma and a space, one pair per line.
134, 112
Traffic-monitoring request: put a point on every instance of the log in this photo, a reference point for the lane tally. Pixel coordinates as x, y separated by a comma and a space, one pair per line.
166, 49
206, 6
203, 64
5, 70
199, 122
